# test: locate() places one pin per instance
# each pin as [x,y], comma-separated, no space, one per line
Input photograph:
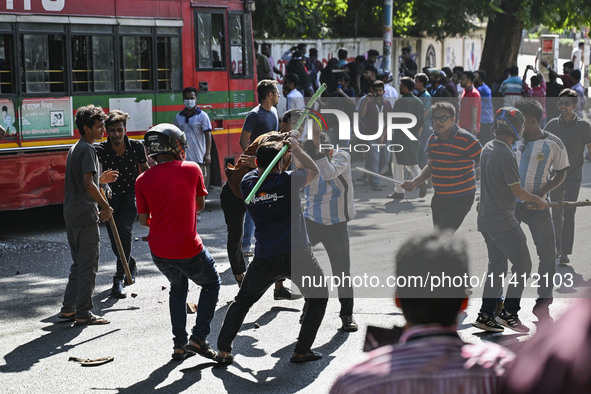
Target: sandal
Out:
[229,359]
[183,355]
[202,349]
[303,358]
[67,316]
[92,321]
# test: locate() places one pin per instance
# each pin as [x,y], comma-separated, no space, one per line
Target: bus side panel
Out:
[32,179]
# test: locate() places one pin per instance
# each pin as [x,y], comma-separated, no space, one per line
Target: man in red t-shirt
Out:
[169,195]
[469,104]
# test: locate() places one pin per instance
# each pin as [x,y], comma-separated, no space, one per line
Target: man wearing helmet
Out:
[500,185]
[169,195]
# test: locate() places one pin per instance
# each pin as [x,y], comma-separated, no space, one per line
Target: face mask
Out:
[190,103]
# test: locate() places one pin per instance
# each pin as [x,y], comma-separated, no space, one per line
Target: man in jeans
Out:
[543,162]
[169,195]
[282,248]
[500,185]
[128,157]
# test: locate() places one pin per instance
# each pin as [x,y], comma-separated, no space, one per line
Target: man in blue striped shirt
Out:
[543,161]
[329,206]
[512,87]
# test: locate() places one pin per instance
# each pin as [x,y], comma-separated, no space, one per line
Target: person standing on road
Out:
[512,87]
[543,161]
[486,112]
[128,157]
[169,195]
[81,216]
[196,125]
[500,185]
[575,133]
[282,248]
[452,154]
[329,206]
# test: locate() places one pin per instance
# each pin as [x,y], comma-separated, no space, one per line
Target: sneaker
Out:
[564,259]
[117,290]
[422,190]
[487,324]
[285,294]
[349,324]
[396,196]
[375,187]
[511,321]
[541,310]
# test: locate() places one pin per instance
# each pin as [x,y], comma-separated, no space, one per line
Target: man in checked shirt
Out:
[128,157]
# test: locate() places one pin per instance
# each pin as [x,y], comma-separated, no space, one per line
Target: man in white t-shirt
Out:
[197,128]
[543,161]
[577,56]
[295,99]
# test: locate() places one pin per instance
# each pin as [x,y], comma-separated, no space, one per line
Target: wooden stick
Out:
[120,251]
[391,180]
[561,204]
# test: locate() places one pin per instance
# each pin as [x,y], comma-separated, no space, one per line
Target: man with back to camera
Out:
[282,248]
[430,357]
[505,240]
[196,125]
[128,157]
[169,195]
[81,216]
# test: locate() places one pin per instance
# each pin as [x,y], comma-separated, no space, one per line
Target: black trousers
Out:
[234,212]
[449,213]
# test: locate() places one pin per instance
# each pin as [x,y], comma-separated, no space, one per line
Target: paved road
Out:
[35,346]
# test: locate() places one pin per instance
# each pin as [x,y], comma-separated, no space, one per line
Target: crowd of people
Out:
[523,155]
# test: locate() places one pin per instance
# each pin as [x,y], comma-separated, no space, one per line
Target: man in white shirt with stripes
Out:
[543,161]
[329,206]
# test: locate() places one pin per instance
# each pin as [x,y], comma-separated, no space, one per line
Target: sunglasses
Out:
[436,119]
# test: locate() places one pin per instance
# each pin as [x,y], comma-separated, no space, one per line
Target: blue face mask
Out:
[190,103]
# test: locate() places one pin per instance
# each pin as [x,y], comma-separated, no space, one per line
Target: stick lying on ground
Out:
[378,175]
[120,251]
[562,204]
[300,121]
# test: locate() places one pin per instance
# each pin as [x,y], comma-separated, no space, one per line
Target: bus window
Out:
[44,61]
[210,40]
[136,55]
[240,45]
[92,64]
[6,64]
[168,50]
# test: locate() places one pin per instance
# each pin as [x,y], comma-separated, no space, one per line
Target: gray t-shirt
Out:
[80,209]
[574,136]
[498,171]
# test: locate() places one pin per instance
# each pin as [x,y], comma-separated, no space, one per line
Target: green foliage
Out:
[438,18]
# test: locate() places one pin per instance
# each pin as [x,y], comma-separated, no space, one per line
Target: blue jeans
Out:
[260,275]
[375,160]
[542,232]
[248,232]
[564,218]
[124,213]
[503,245]
[201,270]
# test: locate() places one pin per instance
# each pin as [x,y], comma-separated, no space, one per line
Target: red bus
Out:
[133,55]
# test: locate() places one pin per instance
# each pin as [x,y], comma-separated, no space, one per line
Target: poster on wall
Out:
[8,120]
[47,118]
[472,51]
[453,52]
